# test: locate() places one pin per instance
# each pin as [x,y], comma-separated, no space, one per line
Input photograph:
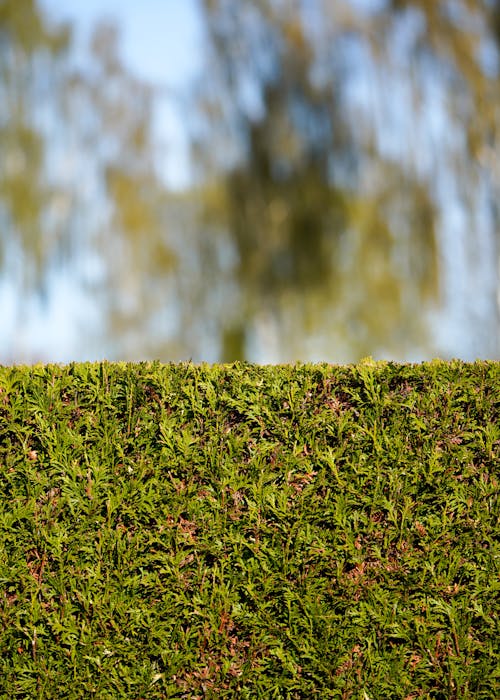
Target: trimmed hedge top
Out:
[242,531]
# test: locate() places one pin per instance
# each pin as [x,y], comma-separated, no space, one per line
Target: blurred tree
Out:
[113,112]
[327,138]
[25,86]
[79,183]
[332,223]
[452,64]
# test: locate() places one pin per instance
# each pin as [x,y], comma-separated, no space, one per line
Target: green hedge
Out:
[239,531]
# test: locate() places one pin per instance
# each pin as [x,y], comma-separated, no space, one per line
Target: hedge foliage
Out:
[241,531]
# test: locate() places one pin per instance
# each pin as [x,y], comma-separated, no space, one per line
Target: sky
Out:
[160,43]
[159,36]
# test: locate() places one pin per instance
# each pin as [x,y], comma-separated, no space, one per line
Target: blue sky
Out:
[160,37]
[160,42]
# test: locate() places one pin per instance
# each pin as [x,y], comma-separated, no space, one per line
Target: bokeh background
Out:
[267,180]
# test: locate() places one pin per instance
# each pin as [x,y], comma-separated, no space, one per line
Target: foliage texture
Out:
[307,531]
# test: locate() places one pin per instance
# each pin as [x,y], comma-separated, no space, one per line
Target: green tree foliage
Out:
[311,194]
